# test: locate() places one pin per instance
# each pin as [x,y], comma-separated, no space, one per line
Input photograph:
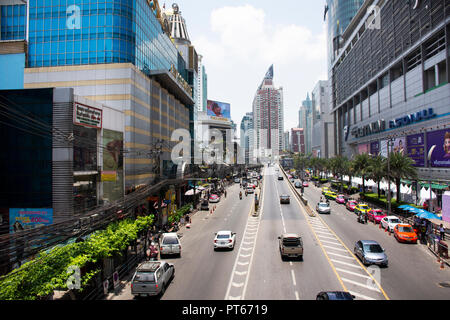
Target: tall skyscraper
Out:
[287,141]
[246,136]
[268,118]
[202,86]
[305,122]
[297,140]
[323,126]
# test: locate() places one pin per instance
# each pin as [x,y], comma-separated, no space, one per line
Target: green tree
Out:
[377,170]
[361,165]
[338,167]
[401,167]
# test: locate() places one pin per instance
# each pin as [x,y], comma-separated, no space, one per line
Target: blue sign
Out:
[25,219]
[412,118]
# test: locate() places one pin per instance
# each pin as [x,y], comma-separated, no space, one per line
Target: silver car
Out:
[170,244]
[370,252]
[323,207]
[151,278]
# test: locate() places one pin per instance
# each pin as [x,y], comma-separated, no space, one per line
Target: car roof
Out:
[338,295]
[404,225]
[224,232]
[150,266]
[392,217]
[290,235]
[369,242]
[170,234]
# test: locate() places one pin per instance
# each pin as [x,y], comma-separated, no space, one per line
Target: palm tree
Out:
[350,171]
[338,166]
[401,167]
[377,170]
[301,161]
[361,165]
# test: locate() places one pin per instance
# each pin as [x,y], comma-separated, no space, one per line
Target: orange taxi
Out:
[405,233]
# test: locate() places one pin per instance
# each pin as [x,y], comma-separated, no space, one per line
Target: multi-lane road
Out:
[254,270]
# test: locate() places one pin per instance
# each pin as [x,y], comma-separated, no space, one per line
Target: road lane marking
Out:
[361,285]
[353,273]
[332,238]
[293,277]
[332,242]
[237,285]
[347,264]
[296,295]
[361,296]
[342,256]
[334,248]
[241,273]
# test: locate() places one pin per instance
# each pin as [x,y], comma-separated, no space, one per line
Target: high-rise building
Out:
[305,122]
[396,95]
[287,143]
[117,53]
[268,118]
[247,137]
[298,140]
[202,86]
[323,131]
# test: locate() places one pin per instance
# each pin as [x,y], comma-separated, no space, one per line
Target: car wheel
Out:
[163,289]
[364,261]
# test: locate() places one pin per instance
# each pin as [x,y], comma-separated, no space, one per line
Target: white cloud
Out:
[245,44]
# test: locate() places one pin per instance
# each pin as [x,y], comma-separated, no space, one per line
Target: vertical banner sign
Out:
[400,145]
[438,148]
[415,146]
[374,148]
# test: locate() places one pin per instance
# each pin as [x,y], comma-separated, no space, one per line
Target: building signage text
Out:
[87,116]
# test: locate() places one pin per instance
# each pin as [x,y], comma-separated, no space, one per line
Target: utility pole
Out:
[390,143]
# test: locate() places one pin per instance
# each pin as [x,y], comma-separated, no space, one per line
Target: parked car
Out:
[376,215]
[370,252]
[335,295]
[405,233]
[224,240]
[250,189]
[305,183]
[351,204]
[152,278]
[280,177]
[389,222]
[214,198]
[323,207]
[325,189]
[169,244]
[237,180]
[291,245]
[330,195]
[361,208]
[284,198]
[340,199]
[298,184]
[204,205]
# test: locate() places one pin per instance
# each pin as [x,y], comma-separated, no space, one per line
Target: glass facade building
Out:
[81,32]
[340,14]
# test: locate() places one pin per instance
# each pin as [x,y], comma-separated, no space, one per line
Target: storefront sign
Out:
[438,148]
[415,146]
[87,116]
[374,127]
[109,176]
[412,118]
[374,148]
[25,219]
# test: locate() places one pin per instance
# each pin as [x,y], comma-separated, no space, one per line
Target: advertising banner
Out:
[438,148]
[399,145]
[415,146]
[384,148]
[112,174]
[218,109]
[25,219]
[87,116]
[375,148]
[363,148]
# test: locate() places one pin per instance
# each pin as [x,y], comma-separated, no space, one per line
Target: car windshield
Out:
[405,229]
[373,248]
[145,277]
[223,236]
[291,242]
[170,240]
[363,206]
[378,213]
[323,205]
[395,220]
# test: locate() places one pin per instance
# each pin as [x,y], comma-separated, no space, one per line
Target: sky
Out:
[240,39]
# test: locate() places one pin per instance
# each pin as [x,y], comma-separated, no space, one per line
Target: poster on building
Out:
[218,109]
[112,173]
[399,145]
[375,148]
[438,148]
[363,148]
[415,147]
[26,219]
[87,116]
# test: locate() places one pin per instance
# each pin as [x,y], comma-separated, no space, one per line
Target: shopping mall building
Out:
[116,54]
[390,82]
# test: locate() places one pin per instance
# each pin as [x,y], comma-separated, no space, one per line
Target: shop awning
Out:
[434,185]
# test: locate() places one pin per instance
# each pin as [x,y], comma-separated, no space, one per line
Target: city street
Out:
[254,270]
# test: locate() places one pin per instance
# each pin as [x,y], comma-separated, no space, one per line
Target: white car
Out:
[250,190]
[170,244]
[224,240]
[390,222]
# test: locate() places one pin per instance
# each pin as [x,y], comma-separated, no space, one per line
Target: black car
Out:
[298,184]
[284,198]
[335,295]
[280,178]
[204,205]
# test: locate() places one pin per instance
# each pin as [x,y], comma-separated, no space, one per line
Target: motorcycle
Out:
[361,219]
[240,196]
[152,252]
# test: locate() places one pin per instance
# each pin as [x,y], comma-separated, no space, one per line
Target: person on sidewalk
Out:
[442,232]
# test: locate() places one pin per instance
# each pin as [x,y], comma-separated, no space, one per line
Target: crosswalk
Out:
[362,282]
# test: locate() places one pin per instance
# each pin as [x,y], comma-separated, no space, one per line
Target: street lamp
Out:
[390,143]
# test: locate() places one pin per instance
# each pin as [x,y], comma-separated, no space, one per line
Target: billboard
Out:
[218,109]
[363,148]
[438,148]
[399,145]
[415,147]
[25,219]
[375,148]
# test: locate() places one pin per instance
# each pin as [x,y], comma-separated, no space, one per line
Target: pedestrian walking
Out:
[442,232]
[225,193]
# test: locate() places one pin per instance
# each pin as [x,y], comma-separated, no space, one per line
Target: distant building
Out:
[287,144]
[305,122]
[247,137]
[322,142]
[298,140]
